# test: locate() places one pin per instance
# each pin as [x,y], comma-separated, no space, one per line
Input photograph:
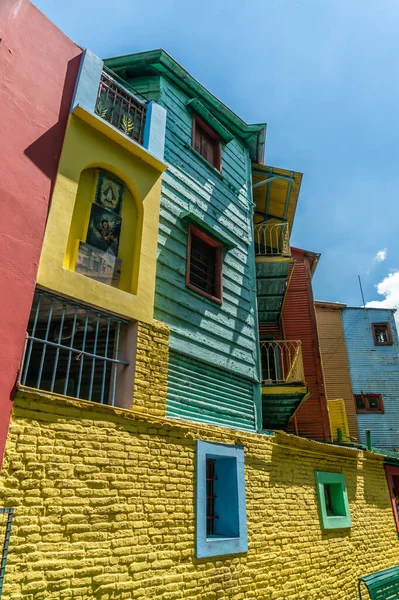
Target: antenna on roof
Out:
[364,303]
[361,291]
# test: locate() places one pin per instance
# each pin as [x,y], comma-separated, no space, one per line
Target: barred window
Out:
[204,265]
[72,350]
[207,143]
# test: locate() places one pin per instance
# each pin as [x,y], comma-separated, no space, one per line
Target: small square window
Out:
[369,403]
[204,265]
[207,143]
[382,334]
[221,508]
[333,500]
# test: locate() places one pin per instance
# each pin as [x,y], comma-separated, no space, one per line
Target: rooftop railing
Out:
[272,239]
[122,109]
[281,362]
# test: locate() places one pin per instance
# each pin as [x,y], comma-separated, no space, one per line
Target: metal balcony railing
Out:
[120,108]
[281,362]
[272,239]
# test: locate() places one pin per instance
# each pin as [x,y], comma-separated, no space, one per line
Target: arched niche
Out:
[105,233]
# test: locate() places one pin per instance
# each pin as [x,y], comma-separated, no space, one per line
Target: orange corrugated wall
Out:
[335,361]
[299,323]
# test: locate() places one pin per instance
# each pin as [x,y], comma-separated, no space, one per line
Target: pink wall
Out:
[38,69]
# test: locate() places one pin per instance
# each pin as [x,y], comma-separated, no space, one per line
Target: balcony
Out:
[272,239]
[273,261]
[283,381]
[120,108]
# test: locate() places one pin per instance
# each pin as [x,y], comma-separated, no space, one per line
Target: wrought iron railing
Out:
[272,239]
[120,108]
[73,350]
[281,362]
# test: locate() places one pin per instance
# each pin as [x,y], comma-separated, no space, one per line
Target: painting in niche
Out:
[104,230]
[99,265]
[109,193]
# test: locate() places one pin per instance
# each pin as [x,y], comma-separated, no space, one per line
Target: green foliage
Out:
[101,109]
[127,124]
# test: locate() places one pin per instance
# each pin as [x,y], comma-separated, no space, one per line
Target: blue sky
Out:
[323,75]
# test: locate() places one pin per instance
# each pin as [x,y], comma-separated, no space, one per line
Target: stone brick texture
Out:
[151,369]
[105,508]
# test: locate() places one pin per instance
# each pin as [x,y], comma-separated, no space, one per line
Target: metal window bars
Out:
[210,496]
[281,362]
[120,108]
[72,350]
[272,239]
[5,523]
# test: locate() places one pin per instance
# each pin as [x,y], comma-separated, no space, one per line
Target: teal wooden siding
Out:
[199,392]
[209,334]
[221,335]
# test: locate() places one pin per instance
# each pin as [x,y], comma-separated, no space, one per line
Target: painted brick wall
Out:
[104,508]
[151,369]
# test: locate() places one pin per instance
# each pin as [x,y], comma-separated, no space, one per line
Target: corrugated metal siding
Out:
[221,335]
[338,419]
[199,392]
[299,323]
[374,369]
[334,357]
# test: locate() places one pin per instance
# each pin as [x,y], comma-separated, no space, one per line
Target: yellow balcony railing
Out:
[272,239]
[281,362]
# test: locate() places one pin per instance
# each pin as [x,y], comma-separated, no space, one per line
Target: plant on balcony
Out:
[101,109]
[127,124]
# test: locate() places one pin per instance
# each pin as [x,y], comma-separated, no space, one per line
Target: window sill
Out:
[384,344]
[214,299]
[370,412]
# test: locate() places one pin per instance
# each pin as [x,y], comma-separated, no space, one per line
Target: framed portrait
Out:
[104,229]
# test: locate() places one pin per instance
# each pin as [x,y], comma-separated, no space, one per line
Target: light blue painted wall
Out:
[374,369]
[88,80]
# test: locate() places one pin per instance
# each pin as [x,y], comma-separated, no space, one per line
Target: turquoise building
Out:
[205,282]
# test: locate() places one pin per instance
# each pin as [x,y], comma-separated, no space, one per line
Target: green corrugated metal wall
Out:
[199,392]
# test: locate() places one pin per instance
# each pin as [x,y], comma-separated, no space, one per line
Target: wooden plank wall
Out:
[221,335]
[299,323]
[335,361]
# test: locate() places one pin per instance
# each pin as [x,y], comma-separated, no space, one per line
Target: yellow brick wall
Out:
[104,509]
[151,369]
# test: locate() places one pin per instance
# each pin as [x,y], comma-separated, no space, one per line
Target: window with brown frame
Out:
[204,265]
[382,334]
[369,403]
[207,143]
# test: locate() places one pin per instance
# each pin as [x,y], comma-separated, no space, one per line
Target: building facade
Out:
[140,459]
[337,377]
[35,95]
[372,344]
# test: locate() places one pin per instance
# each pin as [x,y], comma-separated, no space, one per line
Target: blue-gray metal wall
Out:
[374,369]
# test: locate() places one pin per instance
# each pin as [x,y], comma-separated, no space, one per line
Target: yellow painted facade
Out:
[104,508]
[89,146]
[334,359]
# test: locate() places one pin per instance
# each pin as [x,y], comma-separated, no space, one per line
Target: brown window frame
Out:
[218,297]
[389,333]
[200,124]
[366,403]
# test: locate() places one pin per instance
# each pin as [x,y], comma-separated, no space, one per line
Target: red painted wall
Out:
[299,323]
[38,69]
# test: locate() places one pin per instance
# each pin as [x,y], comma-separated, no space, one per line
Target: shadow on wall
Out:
[45,152]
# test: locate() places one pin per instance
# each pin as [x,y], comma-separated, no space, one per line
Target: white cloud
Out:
[378,258]
[389,288]
[381,256]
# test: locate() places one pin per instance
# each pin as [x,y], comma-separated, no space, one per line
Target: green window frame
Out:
[333,500]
